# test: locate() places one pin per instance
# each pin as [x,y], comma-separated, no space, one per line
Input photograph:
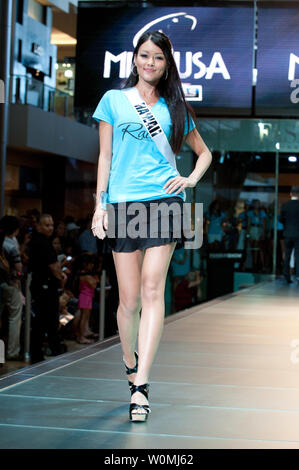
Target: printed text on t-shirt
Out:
[134,129]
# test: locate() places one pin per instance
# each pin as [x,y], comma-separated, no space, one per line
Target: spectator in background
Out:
[289,217]
[47,278]
[214,218]
[33,216]
[257,232]
[57,245]
[87,241]
[270,240]
[24,238]
[4,274]
[240,222]
[60,232]
[180,266]
[63,260]
[87,281]
[187,291]
[11,293]
[72,242]
[230,236]
[4,264]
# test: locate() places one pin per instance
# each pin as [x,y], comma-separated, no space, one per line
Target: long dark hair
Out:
[169,87]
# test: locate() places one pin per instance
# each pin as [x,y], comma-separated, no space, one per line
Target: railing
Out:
[29,90]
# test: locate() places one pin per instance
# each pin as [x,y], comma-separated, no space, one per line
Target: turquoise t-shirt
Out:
[138,170]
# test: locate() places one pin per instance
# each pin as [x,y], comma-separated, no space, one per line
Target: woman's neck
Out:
[148,91]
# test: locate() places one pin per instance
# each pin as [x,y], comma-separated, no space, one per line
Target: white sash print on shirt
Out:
[151,123]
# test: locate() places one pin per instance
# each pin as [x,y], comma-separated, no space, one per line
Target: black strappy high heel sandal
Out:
[144,389]
[133,370]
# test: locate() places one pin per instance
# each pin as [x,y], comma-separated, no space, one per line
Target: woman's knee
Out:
[130,304]
[151,288]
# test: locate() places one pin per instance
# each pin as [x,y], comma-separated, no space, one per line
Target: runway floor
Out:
[226,376]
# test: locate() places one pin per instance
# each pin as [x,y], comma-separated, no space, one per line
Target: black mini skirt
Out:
[137,225]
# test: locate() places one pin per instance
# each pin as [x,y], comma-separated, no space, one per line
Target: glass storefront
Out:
[65,77]
[255,163]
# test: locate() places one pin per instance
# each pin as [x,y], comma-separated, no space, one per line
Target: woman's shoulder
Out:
[112,97]
[113,93]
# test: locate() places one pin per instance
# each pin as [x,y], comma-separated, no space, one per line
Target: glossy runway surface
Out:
[226,376]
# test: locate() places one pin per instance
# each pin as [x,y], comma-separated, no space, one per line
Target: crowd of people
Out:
[248,227]
[65,265]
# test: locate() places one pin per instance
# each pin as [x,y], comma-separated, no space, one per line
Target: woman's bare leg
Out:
[84,319]
[128,271]
[153,278]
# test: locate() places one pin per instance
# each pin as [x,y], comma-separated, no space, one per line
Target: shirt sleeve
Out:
[103,110]
[191,124]
[12,254]
[15,256]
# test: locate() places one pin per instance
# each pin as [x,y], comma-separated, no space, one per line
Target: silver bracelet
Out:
[102,201]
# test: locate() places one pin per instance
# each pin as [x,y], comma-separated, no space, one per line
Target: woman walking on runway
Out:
[142,128]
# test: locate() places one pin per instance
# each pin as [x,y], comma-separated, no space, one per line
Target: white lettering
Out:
[115,460]
[217,65]
[199,64]
[292,65]
[264,130]
[197,233]
[129,63]
[188,61]
[122,58]
[294,95]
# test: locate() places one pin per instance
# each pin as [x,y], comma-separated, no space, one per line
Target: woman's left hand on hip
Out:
[178,184]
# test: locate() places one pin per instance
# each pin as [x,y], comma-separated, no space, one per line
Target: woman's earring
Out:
[166,75]
[132,70]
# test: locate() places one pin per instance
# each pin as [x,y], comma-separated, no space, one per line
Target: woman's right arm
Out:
[100,218]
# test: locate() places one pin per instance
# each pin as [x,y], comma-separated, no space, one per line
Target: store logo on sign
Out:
[175,19]
[192,58]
